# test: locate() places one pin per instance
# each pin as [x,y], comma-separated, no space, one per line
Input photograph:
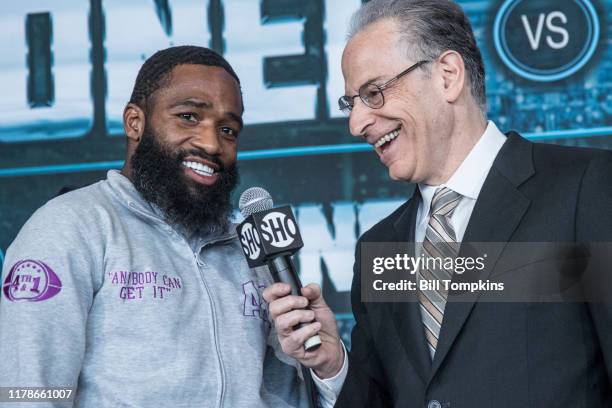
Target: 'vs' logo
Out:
[546,40]
[535,38]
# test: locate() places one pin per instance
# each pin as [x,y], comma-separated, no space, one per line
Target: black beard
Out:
[158,174]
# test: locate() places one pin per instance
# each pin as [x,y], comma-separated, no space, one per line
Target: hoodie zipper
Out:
[213,309]
[198,263]
[215,330]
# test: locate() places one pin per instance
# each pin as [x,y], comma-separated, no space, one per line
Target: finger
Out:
[286,304]
[296,340]
[285,323]
[313,293]
[275,291]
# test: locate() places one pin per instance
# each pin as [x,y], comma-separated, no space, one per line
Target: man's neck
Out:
[466,132]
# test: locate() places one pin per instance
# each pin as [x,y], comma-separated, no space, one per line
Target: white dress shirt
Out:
[330,388]
[467,180]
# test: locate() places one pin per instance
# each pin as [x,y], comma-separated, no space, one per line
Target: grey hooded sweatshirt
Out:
[102,295]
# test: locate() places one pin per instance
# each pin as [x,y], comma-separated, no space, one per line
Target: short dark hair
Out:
[428,28]
[157,67]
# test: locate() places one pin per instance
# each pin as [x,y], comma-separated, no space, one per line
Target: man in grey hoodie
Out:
[134,290]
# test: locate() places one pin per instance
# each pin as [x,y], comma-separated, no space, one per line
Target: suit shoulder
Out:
[551,155]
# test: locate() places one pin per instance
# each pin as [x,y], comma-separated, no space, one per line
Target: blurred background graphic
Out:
[67,68]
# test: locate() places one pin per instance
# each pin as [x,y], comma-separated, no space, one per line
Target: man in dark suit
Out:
[414,82]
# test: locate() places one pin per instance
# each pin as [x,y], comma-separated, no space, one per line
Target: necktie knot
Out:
[444,202]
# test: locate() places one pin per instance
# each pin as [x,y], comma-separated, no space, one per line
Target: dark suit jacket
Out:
[498,355]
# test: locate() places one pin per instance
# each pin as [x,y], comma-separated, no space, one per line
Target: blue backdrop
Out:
[67,69]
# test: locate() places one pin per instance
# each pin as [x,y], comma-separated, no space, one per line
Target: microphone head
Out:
[253,200]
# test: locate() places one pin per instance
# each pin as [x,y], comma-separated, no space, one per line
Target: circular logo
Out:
[31,280]
[251,243]
[278,229]
[547,40]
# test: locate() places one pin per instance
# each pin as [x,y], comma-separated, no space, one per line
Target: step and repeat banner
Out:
[67,69]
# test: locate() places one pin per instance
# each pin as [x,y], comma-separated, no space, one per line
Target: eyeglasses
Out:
[371,94]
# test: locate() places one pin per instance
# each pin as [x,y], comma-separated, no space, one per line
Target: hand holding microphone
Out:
[305,325]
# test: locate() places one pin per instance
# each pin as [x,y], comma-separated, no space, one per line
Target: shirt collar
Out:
[470,176]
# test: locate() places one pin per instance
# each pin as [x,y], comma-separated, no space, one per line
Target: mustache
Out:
[182,154]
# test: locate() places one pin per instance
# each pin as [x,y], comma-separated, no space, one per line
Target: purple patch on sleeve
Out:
[32,281]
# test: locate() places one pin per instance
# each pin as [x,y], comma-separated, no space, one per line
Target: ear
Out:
[452,70]
[133,122]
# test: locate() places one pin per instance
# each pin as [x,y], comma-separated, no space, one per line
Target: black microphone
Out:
[270,236]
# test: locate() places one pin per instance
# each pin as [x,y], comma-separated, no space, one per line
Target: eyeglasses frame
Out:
[343,100]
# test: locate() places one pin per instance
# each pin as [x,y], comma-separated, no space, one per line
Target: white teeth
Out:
[199,168]
[202,173]
[386,138]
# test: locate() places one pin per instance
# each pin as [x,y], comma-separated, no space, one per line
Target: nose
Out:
[360,119]
[208,140]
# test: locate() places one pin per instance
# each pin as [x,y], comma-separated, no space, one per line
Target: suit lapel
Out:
[405,315]
[498,211]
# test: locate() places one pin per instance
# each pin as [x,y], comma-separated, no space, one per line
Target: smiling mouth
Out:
[199,168]
[383,142]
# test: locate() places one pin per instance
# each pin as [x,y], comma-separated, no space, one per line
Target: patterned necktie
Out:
[440,242]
